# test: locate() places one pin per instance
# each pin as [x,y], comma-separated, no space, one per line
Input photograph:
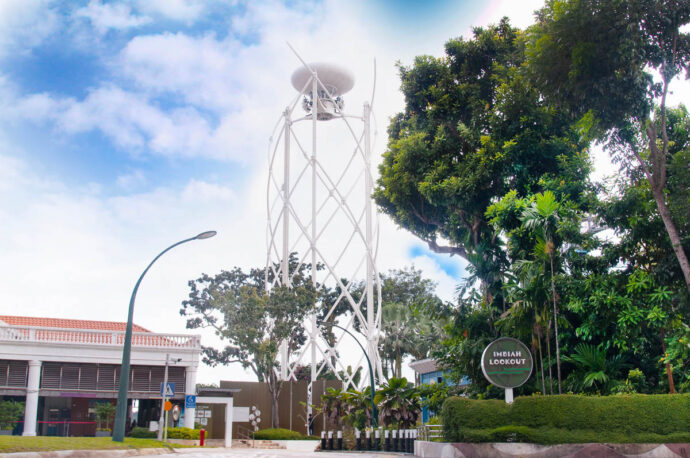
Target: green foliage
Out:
[183,433]
[434,395]
[333,406]
[411,324]
[398,402]
[552,436]
[474,129]
[10,413]
[105,414]
[594,372]
[141,432]
[278,434]
[615,417]
[254,323]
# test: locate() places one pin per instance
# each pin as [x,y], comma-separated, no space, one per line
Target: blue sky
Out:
[126,126]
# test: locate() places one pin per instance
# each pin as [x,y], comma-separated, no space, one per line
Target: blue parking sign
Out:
[190,401]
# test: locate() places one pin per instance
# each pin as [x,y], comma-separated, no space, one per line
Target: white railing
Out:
[94,337]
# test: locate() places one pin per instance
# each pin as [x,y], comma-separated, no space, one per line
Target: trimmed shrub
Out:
[278,434]
[618,418]
[183,433]
[142,433]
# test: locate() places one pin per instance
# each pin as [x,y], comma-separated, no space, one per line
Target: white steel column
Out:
[31,406]
[190,388]
[314,116]
[368,188]
[285,262]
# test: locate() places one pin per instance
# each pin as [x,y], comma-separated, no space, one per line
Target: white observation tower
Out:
[319,206]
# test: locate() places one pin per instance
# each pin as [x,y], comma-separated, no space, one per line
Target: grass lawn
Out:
[9,444]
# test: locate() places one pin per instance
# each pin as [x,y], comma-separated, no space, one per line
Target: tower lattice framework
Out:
[319,206]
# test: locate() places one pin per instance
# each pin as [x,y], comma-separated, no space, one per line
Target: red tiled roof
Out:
[68,323]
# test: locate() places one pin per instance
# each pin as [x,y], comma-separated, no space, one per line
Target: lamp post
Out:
[374,413]
[121,412]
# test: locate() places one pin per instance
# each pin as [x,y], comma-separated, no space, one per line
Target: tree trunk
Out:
[656,176]
[274,386]
[555,326]
[541,359]
[672,233]
[669,371]
[548,350]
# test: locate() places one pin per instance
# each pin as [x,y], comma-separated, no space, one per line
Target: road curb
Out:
[90,453]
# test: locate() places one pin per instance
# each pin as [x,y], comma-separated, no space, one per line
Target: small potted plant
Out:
[10,413]
[105,411]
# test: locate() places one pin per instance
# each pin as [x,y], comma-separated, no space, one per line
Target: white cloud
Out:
[186,11]
[201,70]
[24,24]
[108,16]
[131,181]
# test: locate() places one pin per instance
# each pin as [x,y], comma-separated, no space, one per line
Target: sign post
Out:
[507,363]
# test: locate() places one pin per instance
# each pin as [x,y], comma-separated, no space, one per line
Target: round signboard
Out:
[507,363]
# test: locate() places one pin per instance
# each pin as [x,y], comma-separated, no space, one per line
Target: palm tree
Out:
[399,403]
[543,216]
[529,295]
[398,334]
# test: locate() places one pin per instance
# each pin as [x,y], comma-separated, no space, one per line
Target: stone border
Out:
[424,449]
[298,445]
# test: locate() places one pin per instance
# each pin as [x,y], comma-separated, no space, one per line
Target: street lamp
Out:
[121,412]
[374,413]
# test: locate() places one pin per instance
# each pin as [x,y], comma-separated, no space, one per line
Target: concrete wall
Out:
[291,414]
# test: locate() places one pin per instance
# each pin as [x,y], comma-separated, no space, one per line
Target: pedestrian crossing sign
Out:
[169,389]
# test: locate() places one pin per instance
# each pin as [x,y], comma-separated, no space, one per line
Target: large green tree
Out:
[474,128]
[598,59]
[410,325]
[253,322]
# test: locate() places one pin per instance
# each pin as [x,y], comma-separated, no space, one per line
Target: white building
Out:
[61,368]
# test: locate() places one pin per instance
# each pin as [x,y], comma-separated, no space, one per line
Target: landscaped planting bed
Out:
[569,419]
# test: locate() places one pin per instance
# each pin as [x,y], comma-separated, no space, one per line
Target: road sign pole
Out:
[509,395]
[165,391]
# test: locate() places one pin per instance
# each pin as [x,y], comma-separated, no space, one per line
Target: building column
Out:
[190,388]
[31,406]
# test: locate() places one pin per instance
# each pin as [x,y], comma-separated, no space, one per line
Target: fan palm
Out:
[593,370]
[398,402]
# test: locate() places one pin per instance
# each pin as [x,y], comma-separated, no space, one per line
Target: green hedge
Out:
[183,433]
[568,418]
[277,434]
[142,433]
[173,433]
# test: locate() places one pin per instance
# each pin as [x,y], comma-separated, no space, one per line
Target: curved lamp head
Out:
[206,235]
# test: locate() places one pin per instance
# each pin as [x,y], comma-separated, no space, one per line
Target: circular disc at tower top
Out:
[338,80]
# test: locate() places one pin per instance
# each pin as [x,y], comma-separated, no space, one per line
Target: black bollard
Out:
[340,440]
[403,440]
[394,440]
[358,436]
[368,434]
[330,440]
[323,440]
[377,439]
[414,439]
[387,440]
[409,441]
